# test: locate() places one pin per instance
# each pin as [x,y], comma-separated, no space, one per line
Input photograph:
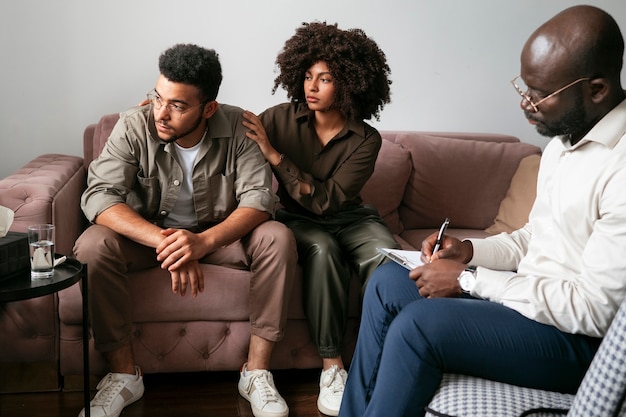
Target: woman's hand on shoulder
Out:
[257,133]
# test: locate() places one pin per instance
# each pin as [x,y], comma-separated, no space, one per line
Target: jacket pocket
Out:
[223,195]
[145,197]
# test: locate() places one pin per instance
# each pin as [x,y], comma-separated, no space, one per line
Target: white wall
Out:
[65,63]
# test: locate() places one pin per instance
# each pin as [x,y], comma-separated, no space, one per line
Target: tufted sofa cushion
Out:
[210,332]
[29,190]
[45,190]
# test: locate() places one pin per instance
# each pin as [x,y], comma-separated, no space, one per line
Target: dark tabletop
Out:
[22,287]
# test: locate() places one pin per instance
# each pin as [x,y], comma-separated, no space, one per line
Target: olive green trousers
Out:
[330,249]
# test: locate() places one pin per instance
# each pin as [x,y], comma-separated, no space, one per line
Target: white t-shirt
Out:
[184,212]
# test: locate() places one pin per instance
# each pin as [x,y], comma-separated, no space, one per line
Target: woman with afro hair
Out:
[322,153]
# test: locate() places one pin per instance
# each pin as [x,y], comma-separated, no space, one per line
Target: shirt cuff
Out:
[490,284]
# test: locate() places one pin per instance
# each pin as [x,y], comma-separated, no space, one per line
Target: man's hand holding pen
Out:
[439,245]
[440,235]
[439,279]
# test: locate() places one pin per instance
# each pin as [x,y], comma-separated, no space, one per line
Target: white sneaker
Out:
[332,384]
[115,391]
[258,388]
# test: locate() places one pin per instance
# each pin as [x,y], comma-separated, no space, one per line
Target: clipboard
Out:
[410,259]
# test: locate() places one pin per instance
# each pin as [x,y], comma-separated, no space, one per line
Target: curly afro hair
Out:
[193,65]
[358,66]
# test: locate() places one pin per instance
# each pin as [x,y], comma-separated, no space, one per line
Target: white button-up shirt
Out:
[570,257]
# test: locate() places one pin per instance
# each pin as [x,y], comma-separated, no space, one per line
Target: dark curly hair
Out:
[358,66]
[193,65]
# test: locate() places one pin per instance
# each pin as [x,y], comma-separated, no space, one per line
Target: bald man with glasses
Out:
[530,307]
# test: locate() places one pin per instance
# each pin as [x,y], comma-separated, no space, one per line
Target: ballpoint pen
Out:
[442,231]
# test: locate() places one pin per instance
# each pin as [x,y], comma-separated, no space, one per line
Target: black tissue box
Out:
[14,256]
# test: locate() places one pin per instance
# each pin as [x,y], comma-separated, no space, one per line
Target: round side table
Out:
[22,287]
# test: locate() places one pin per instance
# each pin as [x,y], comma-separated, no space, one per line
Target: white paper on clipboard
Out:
[410,259]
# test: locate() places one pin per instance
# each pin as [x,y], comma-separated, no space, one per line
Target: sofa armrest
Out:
[48,190]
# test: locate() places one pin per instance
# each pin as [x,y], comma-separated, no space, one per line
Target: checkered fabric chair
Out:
[601,393]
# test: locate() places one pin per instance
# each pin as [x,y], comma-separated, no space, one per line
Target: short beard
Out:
[572,123]
[187,132]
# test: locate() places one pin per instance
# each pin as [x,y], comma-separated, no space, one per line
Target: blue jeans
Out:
[407,342]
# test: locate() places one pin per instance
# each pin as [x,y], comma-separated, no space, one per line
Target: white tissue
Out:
[41,260]
[60,260]
[6,220]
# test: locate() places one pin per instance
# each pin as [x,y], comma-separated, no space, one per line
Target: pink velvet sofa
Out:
[485,183]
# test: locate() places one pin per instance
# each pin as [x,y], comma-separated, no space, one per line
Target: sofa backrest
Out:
[423,177]
[420,177]
[96,135]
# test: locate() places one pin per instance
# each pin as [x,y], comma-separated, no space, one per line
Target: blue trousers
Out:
[407,342]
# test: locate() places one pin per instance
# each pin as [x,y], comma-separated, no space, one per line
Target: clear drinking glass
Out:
[41,244]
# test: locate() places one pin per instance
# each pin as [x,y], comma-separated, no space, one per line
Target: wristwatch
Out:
[467,279]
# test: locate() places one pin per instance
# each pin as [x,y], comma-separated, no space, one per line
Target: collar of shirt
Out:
[608,131]
[303,113]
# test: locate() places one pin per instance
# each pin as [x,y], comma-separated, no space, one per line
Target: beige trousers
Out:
[269,251]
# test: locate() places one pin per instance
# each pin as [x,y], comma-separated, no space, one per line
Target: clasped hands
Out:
[179,253]
[438,277]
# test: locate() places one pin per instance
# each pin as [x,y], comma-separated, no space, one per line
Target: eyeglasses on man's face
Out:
[176,110]
[523,89]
